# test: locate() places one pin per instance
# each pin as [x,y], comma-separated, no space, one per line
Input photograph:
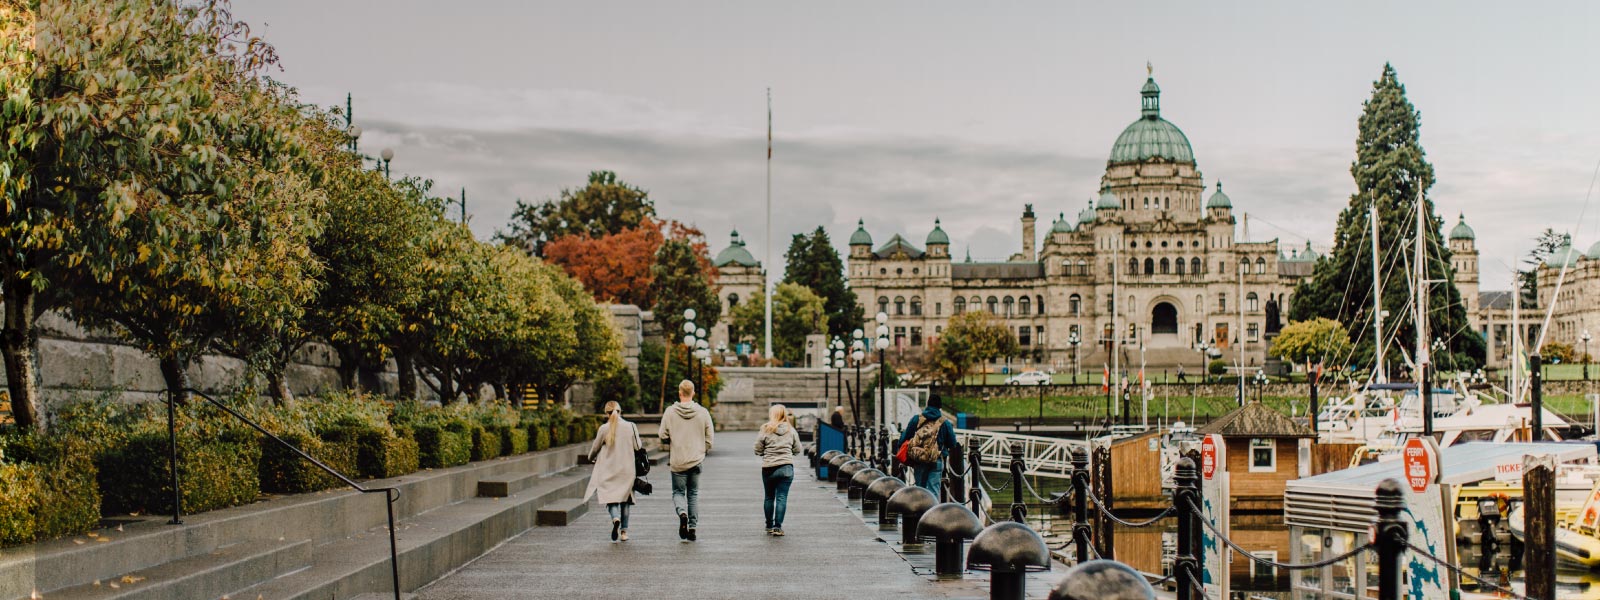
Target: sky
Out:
[898,113]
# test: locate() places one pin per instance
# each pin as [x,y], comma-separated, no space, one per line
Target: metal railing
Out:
[1042,456]
[390,494]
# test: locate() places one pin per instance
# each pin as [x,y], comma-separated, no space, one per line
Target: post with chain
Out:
[958,479]
[1392,535]
[1539,523]
[974,475]
[1019,510]
[1105,533]
[1080,503]
[1187,494]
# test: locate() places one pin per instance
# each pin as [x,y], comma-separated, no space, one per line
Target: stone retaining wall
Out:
[748,392]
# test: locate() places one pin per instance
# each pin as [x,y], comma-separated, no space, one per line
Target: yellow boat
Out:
[1577,536]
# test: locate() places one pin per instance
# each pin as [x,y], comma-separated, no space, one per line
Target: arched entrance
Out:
[1164,318]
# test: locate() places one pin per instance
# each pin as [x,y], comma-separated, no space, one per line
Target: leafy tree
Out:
[1319,340]
[971,337]
[615,268]
[1392,173]
[597,344]
[813,262]
[1557,352]
[659,375]
[121,119]
[681,278]
[796,313]
[1544,246]
[605,206]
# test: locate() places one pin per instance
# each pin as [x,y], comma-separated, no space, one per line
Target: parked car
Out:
[1029,378]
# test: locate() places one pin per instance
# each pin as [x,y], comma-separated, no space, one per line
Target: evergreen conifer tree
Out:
[1391,171]
[813,262]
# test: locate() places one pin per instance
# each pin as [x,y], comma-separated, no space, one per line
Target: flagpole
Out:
[766,276]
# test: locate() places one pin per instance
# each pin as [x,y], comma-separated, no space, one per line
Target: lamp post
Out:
[857,352]
[838,373]
[1261,382]
[882,344]
[354,131]
[702,351]
[1074,340]
[1586,357]
[387,155]
[1204,347]
[691,341]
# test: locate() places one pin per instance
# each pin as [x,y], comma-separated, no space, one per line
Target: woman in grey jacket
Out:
[777,445]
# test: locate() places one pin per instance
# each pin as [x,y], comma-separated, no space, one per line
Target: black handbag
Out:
[642,487]
[641,462]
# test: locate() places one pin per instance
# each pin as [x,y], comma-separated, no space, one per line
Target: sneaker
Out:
[683,526]
[777,532]
[616,525]
[691,535]
[769,531]
[624,535]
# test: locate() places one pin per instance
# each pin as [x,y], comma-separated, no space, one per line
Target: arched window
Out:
[1075,305]
[1133,266]
[1252,302]
[899,305]
[1024,306]
[1009,305]
[916,306]
[1149,266]
[975,303]
[1261,266]
[1199,304]
[1039,301]
[883,304]
[994,305]
[1180,265]
[1244,266]
[1194,265]
[960,305]
[1083,267]
[1166,267]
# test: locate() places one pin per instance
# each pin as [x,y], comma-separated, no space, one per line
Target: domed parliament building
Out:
[1155,247]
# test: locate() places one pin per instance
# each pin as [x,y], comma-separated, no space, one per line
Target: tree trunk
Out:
[447,391]
[407,375]
[500,391]
[174,370]
[348,369]
[20,344]
[278,387]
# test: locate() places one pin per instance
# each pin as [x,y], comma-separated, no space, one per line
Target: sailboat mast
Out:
[1377,297]
[1116,332]
[1420,277]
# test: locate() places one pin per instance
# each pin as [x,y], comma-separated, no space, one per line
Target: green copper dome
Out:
[861,237]
[1062,225]
[1219,199]
[1086,215]
[1151,136]
[937,236]
[1108,199]
[735,254]
[1565,256]
[1594,251]
[1309,255]
[1461,231]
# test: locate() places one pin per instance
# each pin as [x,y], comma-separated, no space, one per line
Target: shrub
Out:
[559,435]
[485,443]
[381,455]
[540,437]
[19,501]
[283,471]
[216,471]
[1217,367]
[438,446]
[67,495]
[513,441]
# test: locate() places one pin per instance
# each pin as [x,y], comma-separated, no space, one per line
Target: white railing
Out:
[1041,456]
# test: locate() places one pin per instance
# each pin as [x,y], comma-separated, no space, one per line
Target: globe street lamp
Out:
[1261,382]
[1074,340]
[882,344]
[1586,357]
[355,136]
[387,155]
[1203,347]
[691,344]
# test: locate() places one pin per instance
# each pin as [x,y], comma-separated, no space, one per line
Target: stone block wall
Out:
[749,391]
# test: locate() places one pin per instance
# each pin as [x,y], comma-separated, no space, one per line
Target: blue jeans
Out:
[686,494]
[619,512]
[929,476]
[776,480]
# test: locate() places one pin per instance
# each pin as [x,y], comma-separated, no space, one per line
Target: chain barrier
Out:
[1100,506]
[1035,493]
[1275,564]
[1463,573]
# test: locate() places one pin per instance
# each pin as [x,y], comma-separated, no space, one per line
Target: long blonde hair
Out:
[777,415]
[613,420]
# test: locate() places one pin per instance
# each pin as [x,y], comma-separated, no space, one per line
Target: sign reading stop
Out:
[1420,465]
[1208,456]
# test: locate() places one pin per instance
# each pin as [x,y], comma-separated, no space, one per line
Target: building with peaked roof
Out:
[739,278]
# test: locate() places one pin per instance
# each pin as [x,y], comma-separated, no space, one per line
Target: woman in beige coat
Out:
[612,478]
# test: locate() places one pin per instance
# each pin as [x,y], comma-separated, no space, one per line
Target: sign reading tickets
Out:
[1425,515]
[1214,503]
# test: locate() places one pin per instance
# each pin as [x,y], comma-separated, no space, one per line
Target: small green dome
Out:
[937,236]
[1219,199]
[1309,255]
[1108,199]
[1565,256]
[1062,225]
[1594,251]
[1086,215]
[1461,231]
[1151,136]
[735,254]
[861,237]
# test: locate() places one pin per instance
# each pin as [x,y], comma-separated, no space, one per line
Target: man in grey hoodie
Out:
[686,431]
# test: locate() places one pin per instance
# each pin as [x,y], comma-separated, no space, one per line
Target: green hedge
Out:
[51,480]
[540,437]
[513,441]
[19,503]
[216,471]
[382,454]
[559,435]
[439,446]
[485,443]
[282,471]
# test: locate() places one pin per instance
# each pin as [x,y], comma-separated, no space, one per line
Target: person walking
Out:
[686,431]
[614,470]
[776,445]
[931,440]
[837,420]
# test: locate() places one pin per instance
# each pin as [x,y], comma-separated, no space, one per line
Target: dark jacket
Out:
[837,421]
[947,432]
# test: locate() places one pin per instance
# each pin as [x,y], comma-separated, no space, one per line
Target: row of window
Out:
[1009,306]
[1168,267]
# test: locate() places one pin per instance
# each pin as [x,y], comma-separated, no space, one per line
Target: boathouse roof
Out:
[1254,419]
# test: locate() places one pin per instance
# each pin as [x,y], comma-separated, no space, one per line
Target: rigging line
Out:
[1566,265]
[1391,257]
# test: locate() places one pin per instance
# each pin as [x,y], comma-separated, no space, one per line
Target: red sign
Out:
[1419,466]
[1208,457]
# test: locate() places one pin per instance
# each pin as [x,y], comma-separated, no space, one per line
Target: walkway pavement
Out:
[829,551]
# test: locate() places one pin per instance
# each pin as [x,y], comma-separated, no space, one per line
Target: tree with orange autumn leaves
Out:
[616,267]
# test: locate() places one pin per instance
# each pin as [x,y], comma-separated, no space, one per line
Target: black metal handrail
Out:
[390,494]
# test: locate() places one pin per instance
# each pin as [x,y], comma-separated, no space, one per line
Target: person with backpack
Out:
[928,440]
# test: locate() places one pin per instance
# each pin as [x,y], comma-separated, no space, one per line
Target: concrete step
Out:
[430,545]
[562,512]
[384,596]
[211,575]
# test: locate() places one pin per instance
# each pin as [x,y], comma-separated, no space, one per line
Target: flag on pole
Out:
[1105,378]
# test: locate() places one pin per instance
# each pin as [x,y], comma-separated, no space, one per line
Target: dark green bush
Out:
[285,472]
[540,437]
[216,471]
[52,479]
[19,502]
[559,435]
[513,441]
[382,454]
[438,446]
[485,443]
[1217,367]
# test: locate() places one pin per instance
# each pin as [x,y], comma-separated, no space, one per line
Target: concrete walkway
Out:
[828,552]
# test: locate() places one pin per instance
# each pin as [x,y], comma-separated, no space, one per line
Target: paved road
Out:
[828,552]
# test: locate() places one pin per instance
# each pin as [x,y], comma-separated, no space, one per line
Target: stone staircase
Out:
[321,546]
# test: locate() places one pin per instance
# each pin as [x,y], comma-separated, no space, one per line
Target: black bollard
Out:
[859,482]
[1391,538]
[846,471]
[880,491]
[910,502]
[1536,394]
[950,525]
[1080,503]
[1539,526]
[1009,549]
[1102,580]
[1019,510]
[833,465]
[1186,565]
